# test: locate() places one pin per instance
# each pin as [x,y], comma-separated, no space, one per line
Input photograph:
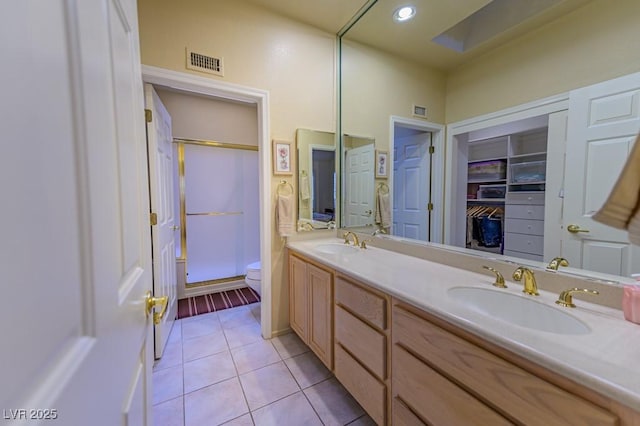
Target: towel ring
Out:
[383,187]
[284,183]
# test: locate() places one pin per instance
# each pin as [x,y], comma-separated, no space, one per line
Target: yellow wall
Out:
[377,85]
[597,42]
[294,62]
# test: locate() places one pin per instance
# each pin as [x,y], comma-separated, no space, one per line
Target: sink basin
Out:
[335,248]
[520,310]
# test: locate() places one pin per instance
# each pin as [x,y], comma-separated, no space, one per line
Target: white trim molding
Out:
[185,82]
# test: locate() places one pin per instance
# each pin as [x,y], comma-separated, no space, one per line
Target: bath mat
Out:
[216,302]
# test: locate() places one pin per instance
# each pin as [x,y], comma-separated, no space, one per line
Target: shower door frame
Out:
[205,86]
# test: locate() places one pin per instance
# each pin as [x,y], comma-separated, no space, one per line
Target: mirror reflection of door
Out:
[411,183]
[359,194]
[323,182]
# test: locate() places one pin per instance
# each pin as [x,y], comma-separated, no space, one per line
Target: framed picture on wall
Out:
[282,158]
[382,163]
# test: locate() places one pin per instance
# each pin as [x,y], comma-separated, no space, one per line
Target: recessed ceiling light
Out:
[404,13]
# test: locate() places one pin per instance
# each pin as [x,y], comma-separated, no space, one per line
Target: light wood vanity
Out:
[407,366]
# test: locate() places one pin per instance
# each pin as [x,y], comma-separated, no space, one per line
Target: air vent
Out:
[419,111]
[204,63]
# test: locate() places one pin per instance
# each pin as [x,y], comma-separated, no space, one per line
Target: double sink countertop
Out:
[606,359]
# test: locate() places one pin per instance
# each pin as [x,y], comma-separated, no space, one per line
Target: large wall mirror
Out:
[420,96]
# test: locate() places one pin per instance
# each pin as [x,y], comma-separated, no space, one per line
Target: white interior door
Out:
[159,146]
[359,196]
[603,122]
[76,260]
[411,186]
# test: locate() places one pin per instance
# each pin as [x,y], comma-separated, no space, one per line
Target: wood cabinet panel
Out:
[363,341]
[402,415]
[369,306]
[520,395]
[298,297]
[448,404]
[363,386]
[320,321]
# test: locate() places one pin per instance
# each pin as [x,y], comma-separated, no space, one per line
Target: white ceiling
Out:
[412,39]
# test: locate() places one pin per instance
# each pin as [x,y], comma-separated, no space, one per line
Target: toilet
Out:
[253,277]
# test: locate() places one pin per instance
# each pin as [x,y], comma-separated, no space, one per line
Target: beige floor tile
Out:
[307,369]
[171,356]
[169,413]
[292,410]
[363,421]
[201,325]
[208,370]
[202,346]
[167,384]
[268,384]
[199,317]
[215,404]
[333,403]
[236,317]
[243,335]
[254,355]
[289,345]
[256,310]
[245,420]
[176,332]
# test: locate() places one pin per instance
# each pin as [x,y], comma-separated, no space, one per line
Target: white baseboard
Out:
[213,288]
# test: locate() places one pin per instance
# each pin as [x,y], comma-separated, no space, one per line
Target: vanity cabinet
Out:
[441,378]
[311,305]
[362,352]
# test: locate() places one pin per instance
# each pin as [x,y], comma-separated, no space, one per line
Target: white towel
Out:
[383,213]
[622,208]
[305,193]
[284,215]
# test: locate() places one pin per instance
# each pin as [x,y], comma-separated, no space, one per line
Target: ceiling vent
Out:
[204,63]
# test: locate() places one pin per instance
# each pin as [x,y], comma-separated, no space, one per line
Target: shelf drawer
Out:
[525,198]
[364,387]
[368,345]
[524,212]
[520,395]
[368,306]
[435,398]
[524,226]
[533,244]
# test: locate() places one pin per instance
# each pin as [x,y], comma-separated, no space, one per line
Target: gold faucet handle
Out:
[499,278]
[557,262]
[566,299]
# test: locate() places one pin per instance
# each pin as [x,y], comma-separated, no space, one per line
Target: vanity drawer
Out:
[363,341]
[524,226]
[369,306]
[525,198]
[533,244]
[528,256]
[519,395]
[365,388]
[403,416]
[524,212]
[435,398]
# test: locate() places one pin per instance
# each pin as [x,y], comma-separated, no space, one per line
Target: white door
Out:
[604,120]
[411,186]
[76,257]
[359,196]
[159,146]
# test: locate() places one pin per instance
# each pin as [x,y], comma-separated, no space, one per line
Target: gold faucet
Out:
[530,286]
[499,278]
[355,238]
[565,298]
[556,262]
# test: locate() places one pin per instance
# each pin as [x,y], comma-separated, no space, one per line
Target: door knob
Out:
[175,228]
[574,229]
[368,212]
[152,302]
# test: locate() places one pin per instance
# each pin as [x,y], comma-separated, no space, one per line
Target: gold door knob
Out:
[175,228]
[574,229]
[152,302]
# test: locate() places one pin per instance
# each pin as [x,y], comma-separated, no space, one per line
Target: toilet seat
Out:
[252,279]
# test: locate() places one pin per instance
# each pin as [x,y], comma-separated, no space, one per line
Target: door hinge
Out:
[154,219]
[148,115]
[432,149]
[430,206]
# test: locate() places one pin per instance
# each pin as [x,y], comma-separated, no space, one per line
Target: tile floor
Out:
[217,369]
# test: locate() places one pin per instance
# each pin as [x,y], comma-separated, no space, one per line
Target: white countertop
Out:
[606,360]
